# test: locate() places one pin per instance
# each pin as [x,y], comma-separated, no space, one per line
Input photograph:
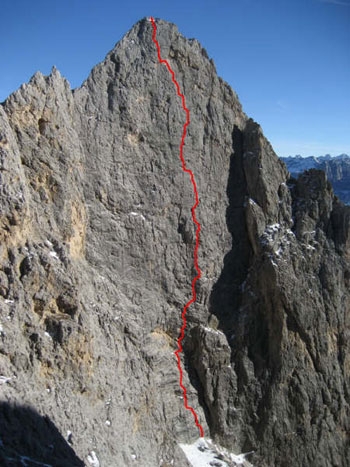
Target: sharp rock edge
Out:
[96,244]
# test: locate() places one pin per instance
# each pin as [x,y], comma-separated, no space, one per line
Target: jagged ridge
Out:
[336,168]
[96,266]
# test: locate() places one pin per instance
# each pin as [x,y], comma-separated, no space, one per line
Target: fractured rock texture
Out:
[96,262]
[336,168]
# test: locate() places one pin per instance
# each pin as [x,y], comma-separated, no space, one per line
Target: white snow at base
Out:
[198,454]
[204,453]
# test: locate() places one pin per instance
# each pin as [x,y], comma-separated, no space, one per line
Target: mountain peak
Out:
[96,265]
[337,169]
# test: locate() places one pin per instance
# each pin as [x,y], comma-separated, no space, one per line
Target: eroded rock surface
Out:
[336,168]
[96,262]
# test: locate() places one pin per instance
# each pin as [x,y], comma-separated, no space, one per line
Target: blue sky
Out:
[288,60]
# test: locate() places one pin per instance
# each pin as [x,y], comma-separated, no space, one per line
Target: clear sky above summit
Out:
[288,60]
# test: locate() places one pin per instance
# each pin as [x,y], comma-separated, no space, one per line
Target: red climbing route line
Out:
[198,228]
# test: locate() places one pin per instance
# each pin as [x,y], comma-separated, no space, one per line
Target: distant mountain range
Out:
[337,170]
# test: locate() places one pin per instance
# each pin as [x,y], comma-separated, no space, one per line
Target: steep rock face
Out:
[285,312]
[96,264]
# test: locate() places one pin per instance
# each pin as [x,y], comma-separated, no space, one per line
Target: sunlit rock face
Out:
[96,263]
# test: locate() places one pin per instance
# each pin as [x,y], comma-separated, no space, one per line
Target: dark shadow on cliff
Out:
[225,297]
[27,438]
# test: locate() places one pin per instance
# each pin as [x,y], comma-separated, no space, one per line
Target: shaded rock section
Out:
[287,397]
[96,262]
[29,439]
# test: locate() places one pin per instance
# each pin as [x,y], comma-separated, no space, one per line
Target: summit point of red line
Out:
[195,221]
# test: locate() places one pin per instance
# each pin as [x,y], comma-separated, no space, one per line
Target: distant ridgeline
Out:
[337,170]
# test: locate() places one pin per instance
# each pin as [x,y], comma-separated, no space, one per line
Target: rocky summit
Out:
[96,263]
[336,168]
